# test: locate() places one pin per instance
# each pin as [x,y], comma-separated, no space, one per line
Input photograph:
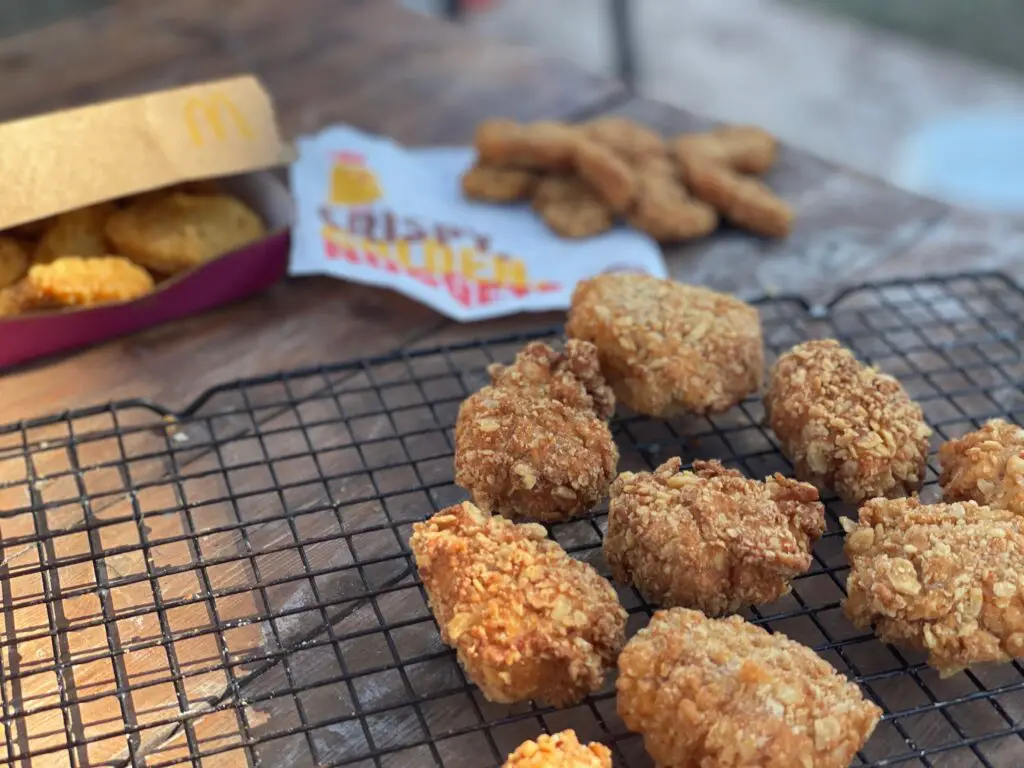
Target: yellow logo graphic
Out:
[352,183]
[217,112]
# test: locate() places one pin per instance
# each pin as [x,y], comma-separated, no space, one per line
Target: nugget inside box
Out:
[134,212]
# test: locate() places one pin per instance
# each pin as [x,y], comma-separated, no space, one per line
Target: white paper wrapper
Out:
[373,212]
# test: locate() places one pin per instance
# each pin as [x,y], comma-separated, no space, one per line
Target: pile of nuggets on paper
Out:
[119,251]
[702,685]
[581,179]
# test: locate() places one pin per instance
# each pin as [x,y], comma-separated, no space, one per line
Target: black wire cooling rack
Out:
[231,585]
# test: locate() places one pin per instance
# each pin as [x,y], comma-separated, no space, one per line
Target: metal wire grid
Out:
[231,585]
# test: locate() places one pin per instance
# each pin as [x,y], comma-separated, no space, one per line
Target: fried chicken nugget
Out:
[664,210]
[526,620]
[610,176]
[947,579]
[725,693]
[666,347]
[627,138]
[492,184]
[846,426]
[12,300]
[743,148]
[746,202]
[562,750]
[571,208]
[986,466]
[536,444]
[175,232]
[13,261]
[541,146]
[711,538]
[75,233]
[73,281]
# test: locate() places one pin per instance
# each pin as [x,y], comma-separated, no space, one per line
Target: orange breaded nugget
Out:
[669,348]
[986,466]
[536,444]
[723,693]
[571,208]
[746,202]
[627,138]
[846,426]
[73,281]
[562,750]
[175,232]
[526,620]
[947,579]
[664,210]
[742,148]
[498,185]
[711,538]
[607,174]
[13,261]
[542,146]
[75,233]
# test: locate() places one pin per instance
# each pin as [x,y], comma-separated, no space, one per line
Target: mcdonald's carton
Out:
[215,140]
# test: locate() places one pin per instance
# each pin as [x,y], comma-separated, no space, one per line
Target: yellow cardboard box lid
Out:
[64,160]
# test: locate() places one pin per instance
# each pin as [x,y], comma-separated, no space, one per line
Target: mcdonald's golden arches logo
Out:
[215,115]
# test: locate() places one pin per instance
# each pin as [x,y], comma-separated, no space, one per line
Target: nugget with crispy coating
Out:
[743,148]
[627,138]
[75,233]
[571,208]
[561,750]
[664,210]
[609,175]
[666,347]
[725,693]
[947,579]
[175,232]
[493,184]
[746,202]
[846,426]
[12,300]
[13,261]
[73,281]
[536,444]
[526,620]
[541,146]
[986,466]
[711,538]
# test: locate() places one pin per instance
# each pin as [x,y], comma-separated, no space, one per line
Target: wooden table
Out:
[381,68]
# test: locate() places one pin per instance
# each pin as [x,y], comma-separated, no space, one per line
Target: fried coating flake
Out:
[561,750]
[666,347]
[175,232]
[710,539]
[73,281]
[535,443]
[492,184]
[844,425]
[571,208]
[742,148]
[541,146]
[947,579]
[607,174]
[725,693]
[986,466]
[627,138]
[13,261]
[746,202]
[664,210]
[526,620]
[75,233]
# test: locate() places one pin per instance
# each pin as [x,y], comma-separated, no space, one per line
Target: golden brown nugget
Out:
[561,750]
[541,146]
[947,579]
[536,444]
[723,693]
[526,620]
[73,281]
[746,202]
[607,174]
[12,300]
[665,211]
[498,185]
[711,538]
[986,466]
[14,261]
[571,208]
[627,138]
[175,232]
[742,148]
[669,348]
[75,233]
[845,426]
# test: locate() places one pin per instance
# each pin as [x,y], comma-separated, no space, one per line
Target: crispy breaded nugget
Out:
[498,185]
[610,176]
[75,233]
[73,281]
[12,300]
[746,202]
[571,208]
[627,138]
[562,750]
[711,538]
[947,579]
[723,693]
[13,261]
[846,426]
[986,466]
[666,347]
[536,443]
[526,619]
[743,148]
[542,146]
[663,208]
[175,232]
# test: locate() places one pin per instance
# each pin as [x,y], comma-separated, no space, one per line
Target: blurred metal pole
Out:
[625,51]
